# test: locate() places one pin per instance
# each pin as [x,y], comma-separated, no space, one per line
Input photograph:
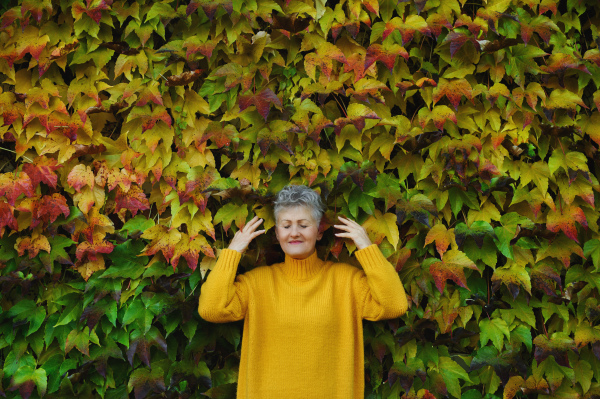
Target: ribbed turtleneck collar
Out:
[302,269]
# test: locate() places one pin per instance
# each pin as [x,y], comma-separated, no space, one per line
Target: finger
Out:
[348,221]
[343,227]
[252,225]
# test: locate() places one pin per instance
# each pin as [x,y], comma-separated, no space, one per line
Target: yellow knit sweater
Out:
[303,335]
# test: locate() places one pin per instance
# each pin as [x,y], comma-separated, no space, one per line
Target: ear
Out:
[318,237]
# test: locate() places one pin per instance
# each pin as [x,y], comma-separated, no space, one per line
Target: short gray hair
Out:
[297,195]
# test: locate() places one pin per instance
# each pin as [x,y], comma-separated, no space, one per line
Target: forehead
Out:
[295,213]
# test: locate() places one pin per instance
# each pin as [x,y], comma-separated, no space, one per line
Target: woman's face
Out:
[297,232]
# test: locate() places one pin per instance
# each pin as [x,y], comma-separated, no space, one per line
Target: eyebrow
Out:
[299,220]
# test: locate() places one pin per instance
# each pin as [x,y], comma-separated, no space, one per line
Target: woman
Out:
[303,334]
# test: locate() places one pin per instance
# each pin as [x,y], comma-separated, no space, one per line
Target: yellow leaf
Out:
[88,268]
[266,214]
[442,237]
[381,225]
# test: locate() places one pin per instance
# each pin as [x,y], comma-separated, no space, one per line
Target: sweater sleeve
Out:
[221,298]
[379,287]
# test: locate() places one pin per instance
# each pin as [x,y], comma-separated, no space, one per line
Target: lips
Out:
[295,242]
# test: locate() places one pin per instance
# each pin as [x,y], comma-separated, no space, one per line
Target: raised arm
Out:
[224,298]
[379,287]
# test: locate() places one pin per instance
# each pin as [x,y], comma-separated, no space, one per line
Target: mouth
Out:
[295,242]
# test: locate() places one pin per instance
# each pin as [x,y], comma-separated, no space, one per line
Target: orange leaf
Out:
[80,176]
[48,208]
[163,240]
[42,170]
[12,186]
[451,267]
[90,251]
[184,78]
[133,200]
[453,90]
[190,249]
[565,221]
[86,269]
[376,52]
[442,237]
[261,100]
[34,244]
[7,217]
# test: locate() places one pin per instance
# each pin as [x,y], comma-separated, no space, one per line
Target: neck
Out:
[302,269]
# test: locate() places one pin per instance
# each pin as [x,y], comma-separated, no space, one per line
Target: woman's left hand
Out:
[354,231]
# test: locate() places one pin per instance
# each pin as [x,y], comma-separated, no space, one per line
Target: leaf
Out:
[563,98]
[133,200]
[12,187]
[163,240]
[419,207]
[81,176]
[442,237]
[406,373]
[190,249]
[513,386]
[458,39]
[183,78]
[7,217]
[230,213]
[261,100]
[47,209]
[542,278]
[380,226]
[454,90]
[451,372]
[26,377]
[451,267]
[565,220]
[143,381]
[86,269]
[357,114]
[278,134]
[556,346]
[80,340]
[33,244]
[406,28]
[502,362]
[42,169]
[357,174]
[477,231]
[387,55]
[495,330]
[438,115]
[513,277]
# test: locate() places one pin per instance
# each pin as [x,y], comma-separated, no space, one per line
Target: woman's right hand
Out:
[243,237]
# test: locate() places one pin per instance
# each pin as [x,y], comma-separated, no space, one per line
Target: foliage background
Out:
[137,136]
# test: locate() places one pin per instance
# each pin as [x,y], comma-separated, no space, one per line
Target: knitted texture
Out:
[303,334]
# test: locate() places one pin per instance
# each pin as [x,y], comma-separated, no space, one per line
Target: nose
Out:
[295,231]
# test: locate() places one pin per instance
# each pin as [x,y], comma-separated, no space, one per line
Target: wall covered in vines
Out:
[137,136]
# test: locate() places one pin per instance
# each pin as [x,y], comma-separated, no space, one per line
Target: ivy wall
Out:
[138,136]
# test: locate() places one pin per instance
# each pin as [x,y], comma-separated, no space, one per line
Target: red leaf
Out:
[94,13]
[565,221]
[9,17]
[218,134]
[560,63]
[7,218]
[198,181]
[48,208]
[209,7]
[12,186]
[80,176]
[190,249]
[163,240]
[35,7]
[134,200]
[33,245]
[458,39]
[42,170]
[90,251]
[9,108]
[451,267]
[407,28]
[436,22]
[376,52]
[453,90]
[277,134]
[262,101]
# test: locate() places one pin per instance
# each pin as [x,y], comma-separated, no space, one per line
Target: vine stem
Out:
[14,152]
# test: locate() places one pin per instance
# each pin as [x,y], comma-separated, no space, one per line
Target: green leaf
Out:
[494,330]
[458,198]
[522,334]
[591,250]
[137,224]
[125,260]
[451,373]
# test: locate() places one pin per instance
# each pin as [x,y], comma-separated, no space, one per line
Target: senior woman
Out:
[303,335]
